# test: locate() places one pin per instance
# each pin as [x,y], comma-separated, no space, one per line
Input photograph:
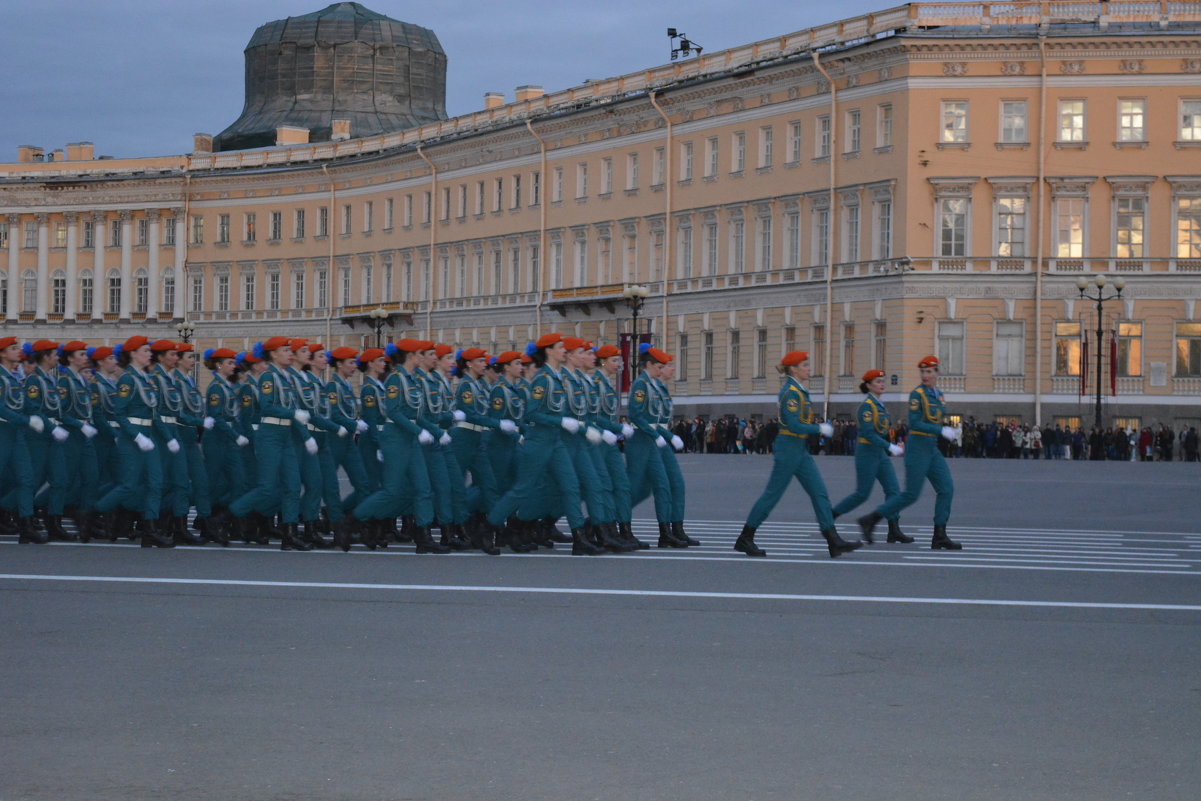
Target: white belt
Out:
[166,419]
[254,426]
[140,421]
[114,424]
[471,426]
[276,421]
[311,426]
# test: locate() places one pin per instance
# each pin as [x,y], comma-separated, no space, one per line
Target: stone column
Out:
[181,235]
[152,292]
[43,266]
[14,266]
[126,265]
[72,265]
[99,279]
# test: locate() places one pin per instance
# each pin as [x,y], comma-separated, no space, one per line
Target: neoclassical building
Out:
[873,190]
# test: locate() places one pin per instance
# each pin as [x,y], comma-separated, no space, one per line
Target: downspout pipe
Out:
[329,234]
[429,309]
[540,279]
[1039,252]
[180,311]
[830,223]
[668,179]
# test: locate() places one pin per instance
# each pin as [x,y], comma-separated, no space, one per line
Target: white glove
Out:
[895,450]
[342,432]
[826,429]
[660,442]
[593,434]
[59,433]
[458,415]
[37,424]
[361,426]
[145,444]
[570,425]
[208,423]
[609,437]
[949,433]
[445,439]
[677,443]
[173,445]
[302,417]
[379,455]
[87,431]
[310,445]
[425,437]
[508,426]
[627,430]
[241,441]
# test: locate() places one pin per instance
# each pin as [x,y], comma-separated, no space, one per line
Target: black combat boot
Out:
[8,523]
[627,534]
[291,540]
[941,542]
[454,538]
[27,533]
[211,529]
[344,532]
[406,529]
[84,521]
[613,541]
[312,535]
[555,534]
[677,531]
[425,541]
[895,534]
[179,529]
[867,524]
[746,543]
[54,527]
[581,545]
[487,538]
[153,538]
[837,545]
[524,535]
[667,538]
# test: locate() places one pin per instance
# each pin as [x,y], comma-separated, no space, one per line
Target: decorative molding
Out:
[1192,65]
[1071,186]
[1011,186]
[852,81]
[1013,68]
[1071,67]
[1133,66]
[1184,184]
[885,73]
[1130,184]
[953,187]
[954,68]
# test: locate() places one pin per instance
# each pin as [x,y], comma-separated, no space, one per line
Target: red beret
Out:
[794,357]
[337,354]
[315,347]
[102,352]
[871,375]
[250,358]
[161,346]
[658,355]
[440,350]
[605,351]
[371,354]
[275,343]
[133,343]
[547,340]
[929,361]
[74,345]
[7,342]
[508,356]
[526,359]
[223,353]
[407,345]
[44,344]
[184,347]
[574,343]
[297,344]
[472,353]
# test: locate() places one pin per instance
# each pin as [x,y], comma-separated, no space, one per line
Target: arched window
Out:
[58,292]
[114,292]
[141,291]
[29,291]
[168,279]
[87,292]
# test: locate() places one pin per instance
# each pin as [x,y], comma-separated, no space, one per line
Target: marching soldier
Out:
[647,474]
[374,365]
[310,392]
[440,415]
[609,361]
[78,417]
[14,449]
[343,411]
[225,440]
[675,476]
[192,419]
[105,374]
[177,484]
[471,441]
[44,400]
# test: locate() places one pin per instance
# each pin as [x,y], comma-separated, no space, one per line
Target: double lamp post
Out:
[1100,299]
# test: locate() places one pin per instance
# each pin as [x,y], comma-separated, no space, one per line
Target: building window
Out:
[115,237]
[1071,121]
[60,234]
[632,171]
[368,215]
[821,242]
[556,188]
[390,212]
[1069,227]
[461,274]
[707,356]
[710,255]
[58,293]
[223,293]
[823,136]
[1190,120]
[515,192]
[248,299]
[789,338]
[1011,227]
[197,230]
[89,235]
[1009,349]
[514,269]
[322,289]
[737,246]
[685,161]
[1188,350]
[368,283]
[818,356]
[684,255]
[760,353]
[850,244]
[141,292]
[763,248]
[169,234]
[344,295]
[735,354]
[168,299]
[848,349]
[223,228]
[711,156]
[953,226]
[298,290]
[1132,120]
[765,146]
[950,347]
[497,271]
[884,125]
[87,229]
[323,221]
[954,122]
[197,293]
[535,266]
[656,255]
[1130,349]
[86,293]
[682,362]
[657,167]
[854,134]
[880,345]
[1013,121]
[114,293]
[738,153]
[298,224]
[29,292]
[249,228]
[1130,217]
[348,212]
[884,229]
[427,208]
[794,143]
[273,291]
[1188,228]
[498,195]
[31,235]
[792,240]
[556,265]
[277,226]
[143,234]
[581,180]
[1067,348]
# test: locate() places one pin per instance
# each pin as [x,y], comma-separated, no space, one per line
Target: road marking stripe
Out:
[749,596]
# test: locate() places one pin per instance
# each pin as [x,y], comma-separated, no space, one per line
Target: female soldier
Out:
[343,411]
[47,449]
[791,459]
[310,392]
[450,496]
[374,365]
[105,373]
[14,449]
[508,401]
[176,481]
[136,410]
[224,441]
[646,472]
[871,457]
[927,421]
[78,417]
[192,419]
[258,526]
[605,380]
[675,477]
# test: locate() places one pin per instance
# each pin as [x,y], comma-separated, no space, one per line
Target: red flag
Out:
[1113,362]
[1083,363]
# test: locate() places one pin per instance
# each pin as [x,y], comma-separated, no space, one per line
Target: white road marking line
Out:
[749,596]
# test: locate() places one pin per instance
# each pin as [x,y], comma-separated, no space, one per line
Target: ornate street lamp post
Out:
[635,295]
[379,317]
[186,330]
[1100,299]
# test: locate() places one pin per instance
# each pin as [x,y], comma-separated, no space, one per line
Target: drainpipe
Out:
[1038,259]
[329,234]
[539,280]
[829,235]
[181,305]
[429,309]
[667,233]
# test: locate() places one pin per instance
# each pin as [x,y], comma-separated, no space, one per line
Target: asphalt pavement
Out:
[1055,658]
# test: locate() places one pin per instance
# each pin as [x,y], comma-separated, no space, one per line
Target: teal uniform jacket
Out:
[505,402]
[310,395]
[342,410]
[15,466]
[606,418]
[136,410]
[371,397]
[191,423]
[450,494]
[405,480]
[595,486]
[177,484]
[644,465]
[105,391]
[547,478]
[923,460]
[471,439]
[248,424]
[791,458]
[79,410]
[277,478]
[871,457]
[671,466]
[222,455]
[48,456]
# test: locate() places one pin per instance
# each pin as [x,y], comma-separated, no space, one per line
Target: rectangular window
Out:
[710,256]
[656,255]
[789,339]
[273,291]
[169,233]
[389,213]
[848,349]
[323,221]
[1190,120]
[950,347]
[707,356]
[1067,348]
[682,362]
[657,167]
[89,234]
[818,357]
[514,269]
[249,229]
[884,229]
[1132,115]
[1069,227]
[369,215]
[515,192]
[462,208]
[1071,121]
[737,246]
[821,241]
[498,194]
[581,180]
[738,152]
[367,284]
[115,234]
[58,295]
[427,208]
[497,271]
[1130,349]
[850,244]
[952,226]
[1188,227]
[1188,350]
[143,234]
[407,211]
[684,252]
[954,121]
[556,265]
[444,208]
[632,171]
[792,241]
[763,249]
[854,135]
[766,133]
[884,125]
[277,226]
[1009,349]
[685,161]
[114,295]
[141,293]
[1130,217]
[60,234]
[87,231]
[223,293]
[298,224]
[248,291]
[322,289]
[1011,227]
[86,294]
[760,353]
[298,290]
[556,188]
[31,234]
[711,156]
[535,188]
[344,273]
[735,354]
[822,140]
[197,293]
[880,345]
[222,229]
[794,143]
[347,216]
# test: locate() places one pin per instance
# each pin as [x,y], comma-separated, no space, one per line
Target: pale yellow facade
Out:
[959,173]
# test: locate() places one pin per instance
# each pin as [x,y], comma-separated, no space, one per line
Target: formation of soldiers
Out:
[491,451]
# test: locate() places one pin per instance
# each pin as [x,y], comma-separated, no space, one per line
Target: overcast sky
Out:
[138,78]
